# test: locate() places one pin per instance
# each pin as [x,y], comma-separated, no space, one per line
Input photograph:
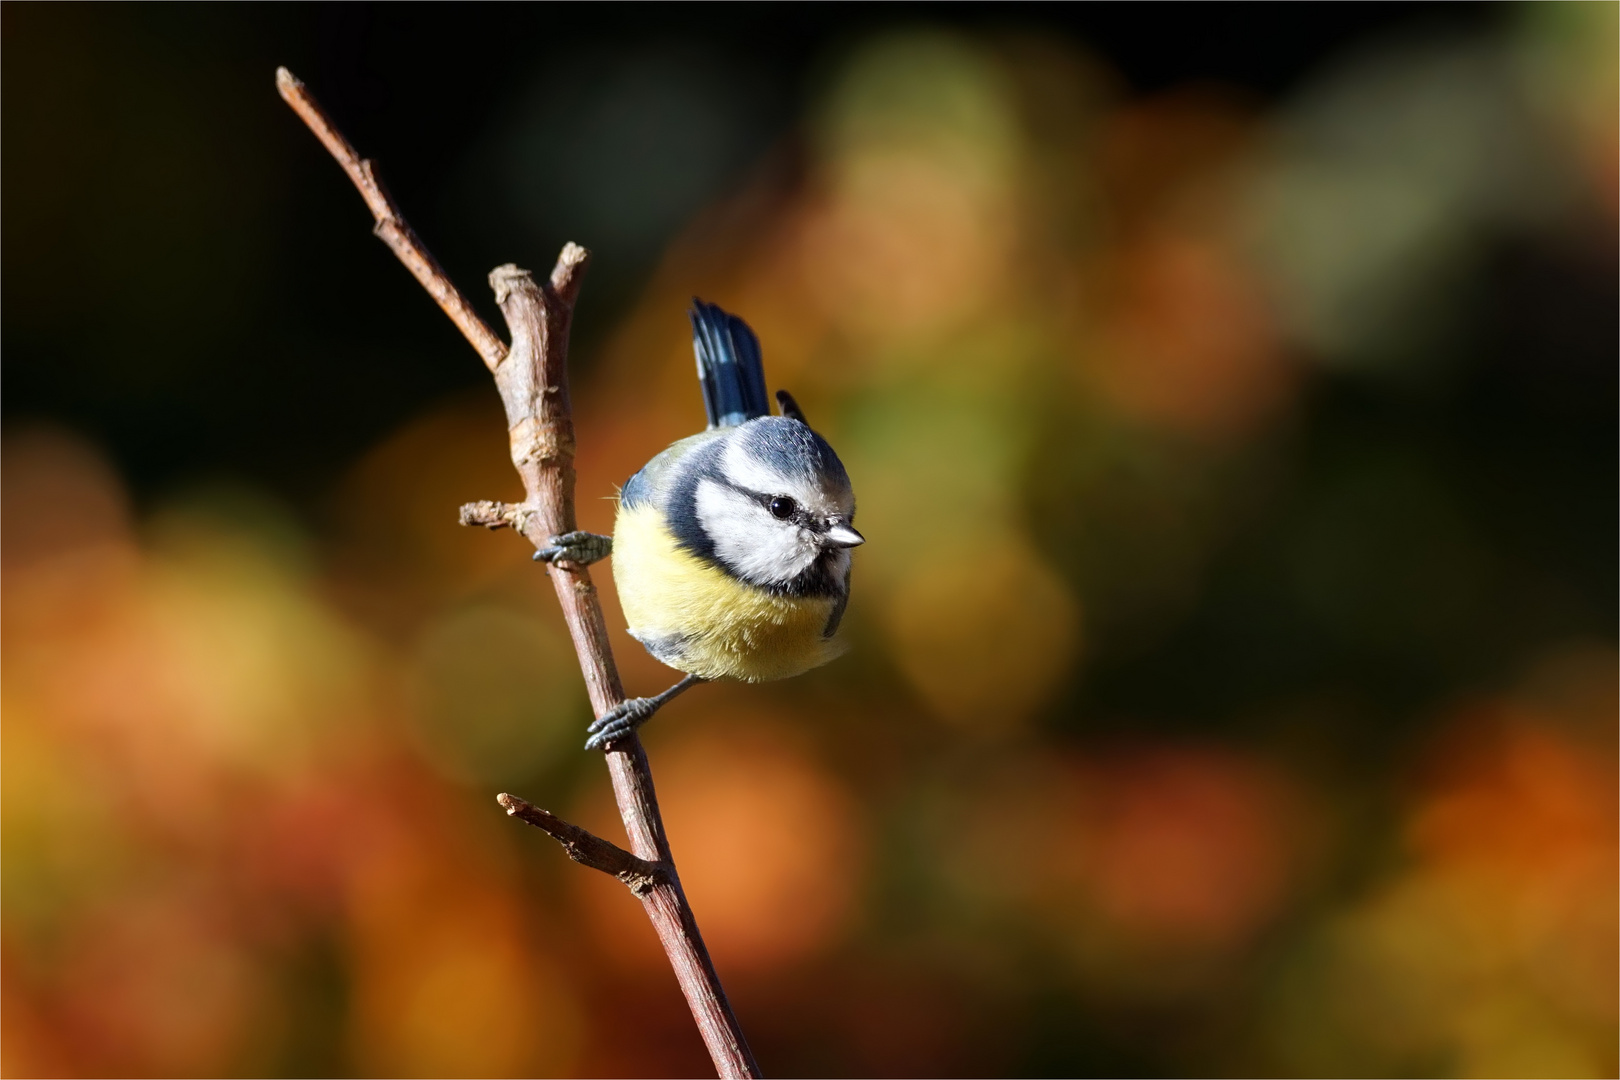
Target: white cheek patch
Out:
[748,539]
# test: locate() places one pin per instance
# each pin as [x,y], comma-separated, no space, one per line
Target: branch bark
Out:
[532,378]
[391,227]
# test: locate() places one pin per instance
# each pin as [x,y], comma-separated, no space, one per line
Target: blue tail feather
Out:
[729,366]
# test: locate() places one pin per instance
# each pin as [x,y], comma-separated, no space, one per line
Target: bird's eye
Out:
[783,507]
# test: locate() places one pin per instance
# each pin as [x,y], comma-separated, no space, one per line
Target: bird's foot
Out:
[620,721]
[578,548]
[625,717]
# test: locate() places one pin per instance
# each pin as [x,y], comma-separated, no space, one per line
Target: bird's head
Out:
[777,506]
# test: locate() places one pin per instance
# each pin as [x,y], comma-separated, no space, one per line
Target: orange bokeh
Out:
[1146,862]
[768,843]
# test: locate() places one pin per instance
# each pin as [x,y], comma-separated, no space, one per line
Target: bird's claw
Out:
[623,719]
[577,548]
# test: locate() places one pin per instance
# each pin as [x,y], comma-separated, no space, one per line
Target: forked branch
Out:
[532,377]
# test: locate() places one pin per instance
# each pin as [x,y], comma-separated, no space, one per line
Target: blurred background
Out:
[1231,397]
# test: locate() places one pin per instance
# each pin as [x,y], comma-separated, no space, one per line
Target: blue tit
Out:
[731,549]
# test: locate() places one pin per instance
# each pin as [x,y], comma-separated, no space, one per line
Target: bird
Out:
[731,548]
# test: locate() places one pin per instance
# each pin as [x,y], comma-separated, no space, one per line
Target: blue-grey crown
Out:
[792,449]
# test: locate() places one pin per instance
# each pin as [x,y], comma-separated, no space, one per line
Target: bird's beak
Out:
[841,535]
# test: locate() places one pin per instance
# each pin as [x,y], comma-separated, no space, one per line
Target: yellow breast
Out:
[723,627]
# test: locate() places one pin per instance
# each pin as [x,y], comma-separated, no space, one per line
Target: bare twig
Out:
[532,378]
[587,848]
[391,228]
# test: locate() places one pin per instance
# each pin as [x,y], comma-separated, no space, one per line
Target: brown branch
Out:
[533,382]
[492,515]
[391,227]
[587,848]
[532,377]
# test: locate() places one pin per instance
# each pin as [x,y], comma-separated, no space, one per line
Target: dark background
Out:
[186,280]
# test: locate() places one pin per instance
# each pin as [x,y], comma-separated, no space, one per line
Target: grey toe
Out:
[578,548]
[633,712]
[609,735]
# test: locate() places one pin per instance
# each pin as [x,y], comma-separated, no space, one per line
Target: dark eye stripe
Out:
[762,498]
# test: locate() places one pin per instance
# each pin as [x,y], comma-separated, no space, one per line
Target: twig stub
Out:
[588,849]
[491,515]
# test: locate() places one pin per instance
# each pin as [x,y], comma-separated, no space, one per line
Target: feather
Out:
[729,365]
[790,408]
